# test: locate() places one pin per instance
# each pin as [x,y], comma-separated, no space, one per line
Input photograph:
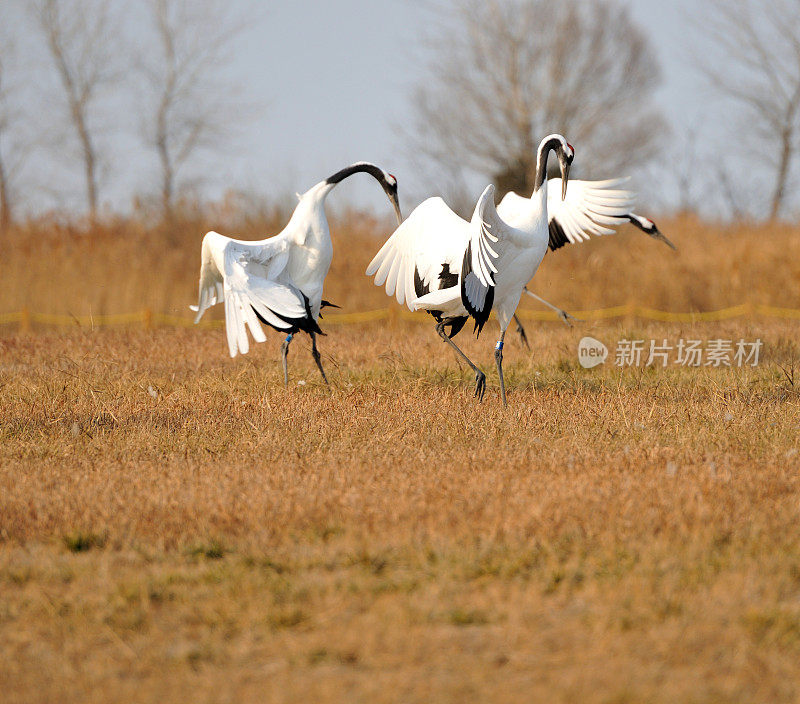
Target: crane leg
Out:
[317,357]
[284,354]
[480,377]
[521,333]
[498,358]
[566,317]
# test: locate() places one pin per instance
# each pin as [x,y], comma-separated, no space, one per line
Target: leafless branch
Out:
[755,64]
[189,107]
[80,39]
[14,147]
[503,74]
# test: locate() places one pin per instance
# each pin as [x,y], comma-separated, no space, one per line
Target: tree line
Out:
[500,73]
[169,74]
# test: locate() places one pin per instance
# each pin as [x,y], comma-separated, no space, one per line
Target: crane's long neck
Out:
[362,167]
[541,161]
[316,195]
[387,181]
[320,191]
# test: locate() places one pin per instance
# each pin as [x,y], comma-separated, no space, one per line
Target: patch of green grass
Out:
[266,564]
[404,585]
[317,656]
[83,541]
[467,617]
[321,655]
[287,618]
[213,550]
[375,564]
[19,575]
[774,625]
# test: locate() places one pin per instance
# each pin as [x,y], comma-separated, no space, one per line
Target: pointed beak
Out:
[656,234]
[396,204]
[564,175]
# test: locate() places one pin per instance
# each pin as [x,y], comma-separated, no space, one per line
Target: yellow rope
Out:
[771,312]
[87,320]
[10,317]
[149,318]
[174,321]
[366,316]
[633,311]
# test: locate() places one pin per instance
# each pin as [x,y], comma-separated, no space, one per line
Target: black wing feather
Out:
[306,324]
[480,316]
[558,237]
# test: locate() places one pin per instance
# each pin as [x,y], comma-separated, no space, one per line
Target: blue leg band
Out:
[499,345]
[289,338]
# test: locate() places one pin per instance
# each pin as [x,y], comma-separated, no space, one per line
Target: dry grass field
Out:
[177,526]
[124,266]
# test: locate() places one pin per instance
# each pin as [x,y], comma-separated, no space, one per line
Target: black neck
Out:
[541,161]
[370,169]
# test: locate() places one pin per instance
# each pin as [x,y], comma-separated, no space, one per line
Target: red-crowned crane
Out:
[456,269]
[278,280]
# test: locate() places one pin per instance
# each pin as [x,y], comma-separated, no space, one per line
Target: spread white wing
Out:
[487,234]
[590,208]
[246,276]
[413,258]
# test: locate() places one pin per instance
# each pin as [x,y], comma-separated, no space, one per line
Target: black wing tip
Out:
[558,238]
[306,324]
[420,288]
[455,325]
[480,316]
[447,277]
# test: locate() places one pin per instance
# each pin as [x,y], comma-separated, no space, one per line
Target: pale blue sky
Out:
[328,83]
[336,78]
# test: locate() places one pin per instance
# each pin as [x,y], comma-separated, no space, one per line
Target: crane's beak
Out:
[649,228]
[396,203]
[562,160]
[656,234]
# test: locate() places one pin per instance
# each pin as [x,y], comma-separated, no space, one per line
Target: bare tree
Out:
[6,120]
[684,180]
[755,62]
[13,141]
[190,106]
[80,38]
[503,74]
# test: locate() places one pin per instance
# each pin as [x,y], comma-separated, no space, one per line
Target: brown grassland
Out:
[177,526]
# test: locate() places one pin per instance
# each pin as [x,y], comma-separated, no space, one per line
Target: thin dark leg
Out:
[284,353]
[316,355]
[521,332]
[498,358]
[566,317]
[480,377]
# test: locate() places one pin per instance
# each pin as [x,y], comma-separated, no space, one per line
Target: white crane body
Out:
[279,280]
[454,269]
[519,254]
